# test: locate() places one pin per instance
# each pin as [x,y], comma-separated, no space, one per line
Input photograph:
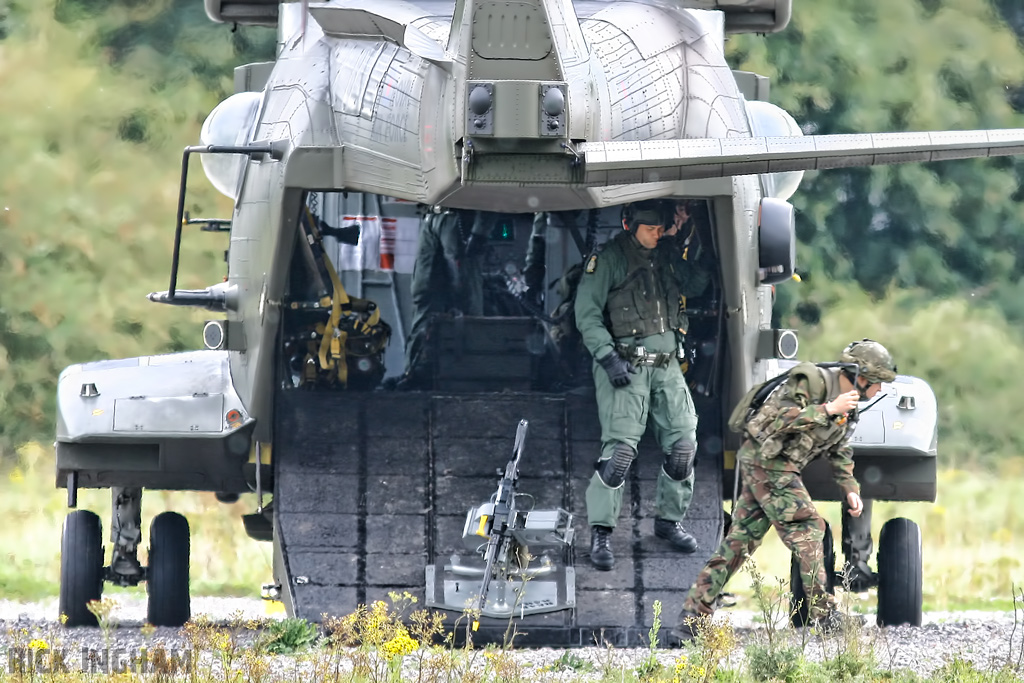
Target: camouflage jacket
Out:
[791,429]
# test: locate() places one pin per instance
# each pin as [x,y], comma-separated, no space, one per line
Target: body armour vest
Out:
[797,448]
[638,306]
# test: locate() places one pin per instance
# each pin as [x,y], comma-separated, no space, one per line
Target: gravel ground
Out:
[991,640]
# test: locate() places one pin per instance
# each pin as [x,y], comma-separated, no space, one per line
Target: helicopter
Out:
[372,114]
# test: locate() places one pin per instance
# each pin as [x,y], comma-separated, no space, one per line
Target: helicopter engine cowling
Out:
[769,120]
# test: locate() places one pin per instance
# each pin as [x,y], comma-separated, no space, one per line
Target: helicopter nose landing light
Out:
[230,123]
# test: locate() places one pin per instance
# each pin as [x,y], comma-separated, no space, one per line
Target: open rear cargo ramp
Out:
[371,489]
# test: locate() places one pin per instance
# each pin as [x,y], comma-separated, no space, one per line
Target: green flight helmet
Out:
[874,360]
[646,212]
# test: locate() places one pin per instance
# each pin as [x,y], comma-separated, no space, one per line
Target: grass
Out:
[224,560]
[973,537]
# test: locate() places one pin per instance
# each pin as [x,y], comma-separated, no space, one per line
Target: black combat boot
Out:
[601,548]
[674,533]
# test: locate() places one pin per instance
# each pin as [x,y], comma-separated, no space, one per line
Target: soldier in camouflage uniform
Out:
[627,311]
[807,416]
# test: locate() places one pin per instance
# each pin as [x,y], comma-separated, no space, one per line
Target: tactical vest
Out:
[638,307]
[797,448]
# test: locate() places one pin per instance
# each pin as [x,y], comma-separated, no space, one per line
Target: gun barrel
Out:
[517,449]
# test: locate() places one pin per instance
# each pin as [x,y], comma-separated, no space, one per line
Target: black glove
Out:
[476,245]
[618,368]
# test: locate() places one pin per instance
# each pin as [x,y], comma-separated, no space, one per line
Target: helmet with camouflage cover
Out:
[874,360]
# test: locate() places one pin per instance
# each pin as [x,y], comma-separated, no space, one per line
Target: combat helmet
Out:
[874,360]
[646,212]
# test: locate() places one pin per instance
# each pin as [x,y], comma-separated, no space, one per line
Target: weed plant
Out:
[393,641]
[973,537]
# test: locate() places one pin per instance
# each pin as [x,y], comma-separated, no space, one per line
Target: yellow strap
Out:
[339,298]
[483,523]
[341,366]
[332,343]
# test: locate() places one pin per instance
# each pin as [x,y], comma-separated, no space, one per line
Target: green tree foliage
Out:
[91,161]
[1013,12]
[968,353]
[166,41]
[878,66]
[101,95]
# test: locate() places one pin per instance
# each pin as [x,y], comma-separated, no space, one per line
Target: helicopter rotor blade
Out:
[621,163]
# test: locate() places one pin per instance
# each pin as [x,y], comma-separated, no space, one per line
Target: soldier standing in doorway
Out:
[627,313]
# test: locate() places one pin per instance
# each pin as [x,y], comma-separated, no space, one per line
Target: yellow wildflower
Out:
[400,645]
[38,644]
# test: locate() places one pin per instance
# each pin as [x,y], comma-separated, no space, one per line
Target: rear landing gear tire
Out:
[899,573]
[167,576]
[799,610]
[81,567]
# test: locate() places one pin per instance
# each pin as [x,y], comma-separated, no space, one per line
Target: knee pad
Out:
[613,470]
[679,460]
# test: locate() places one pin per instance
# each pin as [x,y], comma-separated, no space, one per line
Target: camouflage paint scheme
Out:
[788,431]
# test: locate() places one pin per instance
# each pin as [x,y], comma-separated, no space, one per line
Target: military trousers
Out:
[662,394]
[443,278]
[768,498]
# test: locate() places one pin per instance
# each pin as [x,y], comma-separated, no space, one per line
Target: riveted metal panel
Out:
[511,30]
[174,414]
[514,104]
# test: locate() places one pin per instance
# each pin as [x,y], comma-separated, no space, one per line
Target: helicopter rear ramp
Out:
[371,488]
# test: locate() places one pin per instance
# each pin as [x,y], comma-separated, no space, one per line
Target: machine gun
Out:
[497,527]
[509,584]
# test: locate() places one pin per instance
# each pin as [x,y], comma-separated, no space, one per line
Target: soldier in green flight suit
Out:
[447,277]
[627,311]
[807,416]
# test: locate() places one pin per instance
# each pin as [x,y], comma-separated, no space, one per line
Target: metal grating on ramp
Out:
[372,488]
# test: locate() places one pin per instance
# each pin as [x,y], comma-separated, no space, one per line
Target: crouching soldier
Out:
[806,416]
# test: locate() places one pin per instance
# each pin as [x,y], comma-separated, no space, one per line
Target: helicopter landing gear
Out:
[857,576]
[167,580]
[81,567]
[81,561]
[799,610]
[125,534]
[899,573]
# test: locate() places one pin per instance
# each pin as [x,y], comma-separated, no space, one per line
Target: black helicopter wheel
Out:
[81,567]
[799,610]
[167,575]
[899,573]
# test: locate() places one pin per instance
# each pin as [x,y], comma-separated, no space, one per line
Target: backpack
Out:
[759,393]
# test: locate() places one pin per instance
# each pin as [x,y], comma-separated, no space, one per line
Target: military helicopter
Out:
[370,112]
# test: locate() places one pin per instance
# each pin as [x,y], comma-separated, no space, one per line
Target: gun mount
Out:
[512,580]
